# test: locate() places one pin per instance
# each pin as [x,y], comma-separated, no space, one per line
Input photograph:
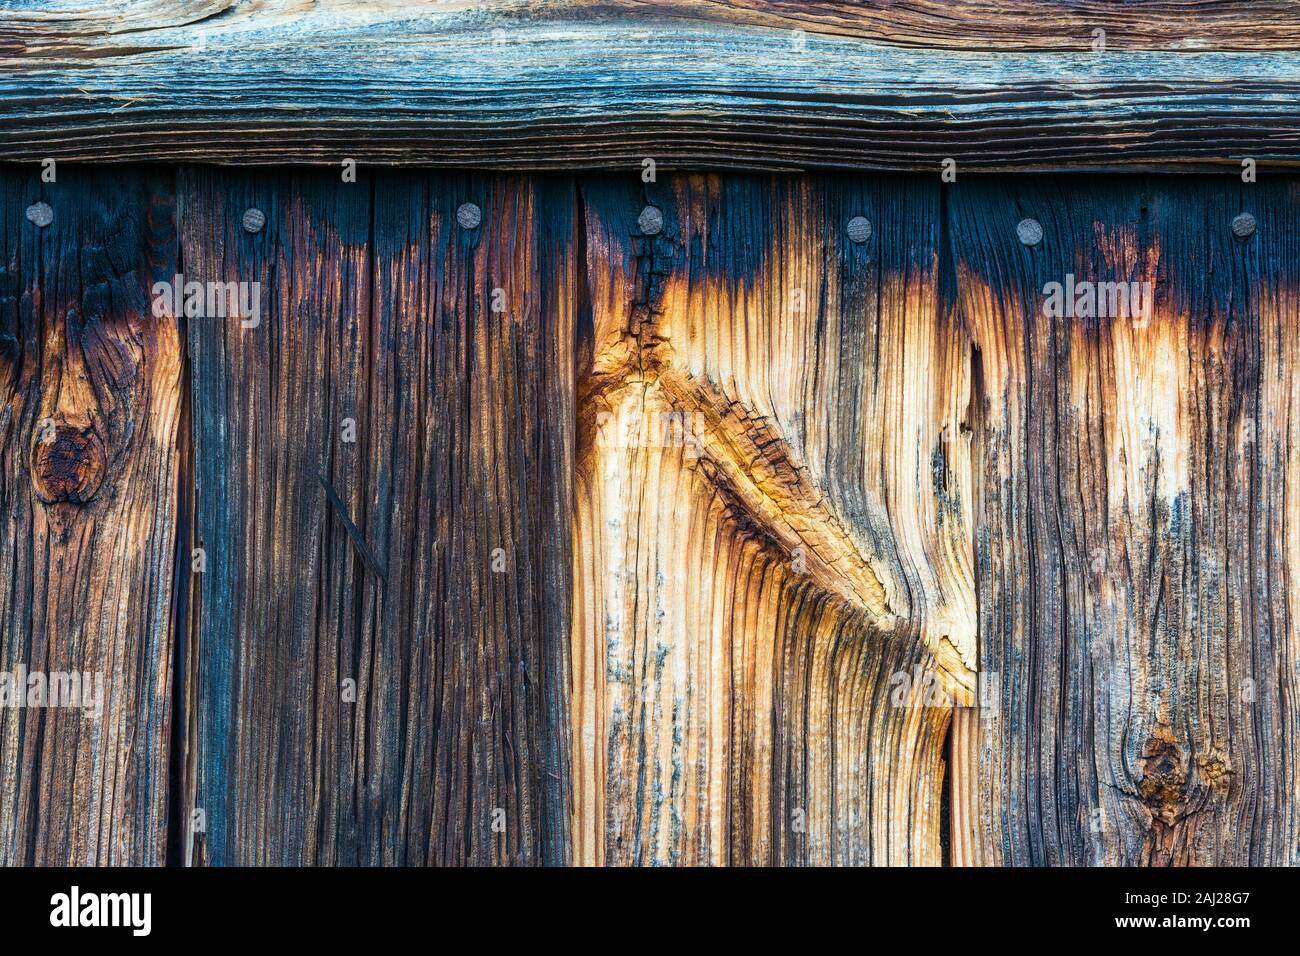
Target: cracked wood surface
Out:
[759,84]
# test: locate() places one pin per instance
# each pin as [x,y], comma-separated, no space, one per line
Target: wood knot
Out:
[67,462]
[1164,778]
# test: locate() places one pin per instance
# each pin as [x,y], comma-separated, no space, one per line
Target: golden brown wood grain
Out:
[773,559]
[732,541]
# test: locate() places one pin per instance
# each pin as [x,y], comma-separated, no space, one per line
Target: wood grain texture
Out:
[723,541]
[1010,24]
[456,487]
[773,602]
[51,27]
[688,84]
[477,422]
[90,400]
[1136,538]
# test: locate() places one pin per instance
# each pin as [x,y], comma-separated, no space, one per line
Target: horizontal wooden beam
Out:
[687,84]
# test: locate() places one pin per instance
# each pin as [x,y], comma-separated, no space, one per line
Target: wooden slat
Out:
[1138,531]
[770,526]
[688,84]
[276,628]
[373,561]
[90,400]
[472,405]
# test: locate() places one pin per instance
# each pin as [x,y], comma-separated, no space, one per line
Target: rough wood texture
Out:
[774,608]
[476,422]
[689,534]
[1138,534]
[90,399]
[49,28]
[446,601]
[964,842]
[688,84]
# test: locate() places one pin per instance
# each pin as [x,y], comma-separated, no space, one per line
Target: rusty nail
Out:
[859,229]
[41,214]
[254,220]
[1243,227]
[651,221]
[1030,231]
[469,216]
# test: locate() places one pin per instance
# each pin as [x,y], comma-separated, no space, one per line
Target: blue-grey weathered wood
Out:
[261,84]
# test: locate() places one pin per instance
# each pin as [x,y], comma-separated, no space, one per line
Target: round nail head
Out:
[40,214]
[254,220]
[1030,231]
[469,216]
[1243,227]
[859,229]
[651,221]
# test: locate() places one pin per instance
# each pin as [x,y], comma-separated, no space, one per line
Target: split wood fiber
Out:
[691,84]
[682,535]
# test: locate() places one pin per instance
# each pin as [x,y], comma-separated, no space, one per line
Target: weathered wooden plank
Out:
[276,627]
[382,475]
[473,390]
[773,602]
[49,28]
[90,398]
[1137,527]
[687,84]
[781,443]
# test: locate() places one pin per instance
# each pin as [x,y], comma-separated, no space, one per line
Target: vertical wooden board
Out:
[1136,522]
[371,690]
[275,616]
[774,608]
[472,381]
[90,399]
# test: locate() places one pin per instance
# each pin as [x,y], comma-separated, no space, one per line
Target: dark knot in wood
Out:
[67,463]
[1164,776]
